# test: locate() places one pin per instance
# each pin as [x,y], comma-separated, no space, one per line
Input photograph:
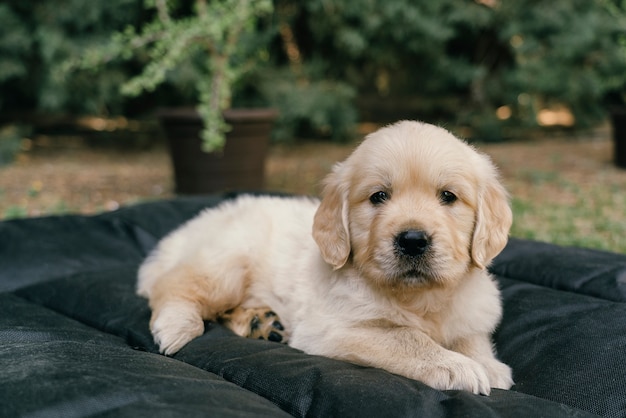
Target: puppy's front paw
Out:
[257,323]
[500,375]
[456,371]
[174,326]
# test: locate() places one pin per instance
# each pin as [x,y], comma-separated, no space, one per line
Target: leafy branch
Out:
[214,29]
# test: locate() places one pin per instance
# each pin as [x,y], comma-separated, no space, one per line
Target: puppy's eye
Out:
[447,197]
[379,197]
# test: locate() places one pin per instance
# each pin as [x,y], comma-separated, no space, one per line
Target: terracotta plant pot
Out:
[618,120]
[239,166]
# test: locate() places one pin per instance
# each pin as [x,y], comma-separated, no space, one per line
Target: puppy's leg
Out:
[401,350]
[257,323]
[480,348]
[184,297]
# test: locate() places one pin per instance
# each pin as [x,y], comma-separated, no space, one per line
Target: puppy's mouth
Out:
[414,271]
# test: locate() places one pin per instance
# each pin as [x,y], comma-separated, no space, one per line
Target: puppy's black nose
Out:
[412,242]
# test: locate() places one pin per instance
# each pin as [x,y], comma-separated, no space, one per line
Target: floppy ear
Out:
[330,225]
[493,221]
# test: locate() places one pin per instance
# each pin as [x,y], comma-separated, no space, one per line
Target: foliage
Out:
[616,85]
[464,59]
[208,38]
[35,37]
[456,61]
[310,105]
[565,52]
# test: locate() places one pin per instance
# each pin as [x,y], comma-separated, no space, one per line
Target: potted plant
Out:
[217,38]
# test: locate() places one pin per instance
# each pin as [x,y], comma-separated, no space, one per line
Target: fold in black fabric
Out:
[588,272]
[74,338]
[53,366]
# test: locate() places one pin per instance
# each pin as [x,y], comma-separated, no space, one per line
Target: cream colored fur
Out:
[331,271]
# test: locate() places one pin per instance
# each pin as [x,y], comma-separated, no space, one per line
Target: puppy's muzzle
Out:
[412,243]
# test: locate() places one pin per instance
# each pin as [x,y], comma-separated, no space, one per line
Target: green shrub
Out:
[310,107]
[462,60]
[37,37]
[452,60]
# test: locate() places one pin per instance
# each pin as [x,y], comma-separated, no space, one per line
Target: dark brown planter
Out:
[239,166]
[618,119]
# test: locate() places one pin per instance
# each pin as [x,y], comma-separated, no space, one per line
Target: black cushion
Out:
[74,337]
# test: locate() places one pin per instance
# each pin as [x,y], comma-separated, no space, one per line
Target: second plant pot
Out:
[240,165]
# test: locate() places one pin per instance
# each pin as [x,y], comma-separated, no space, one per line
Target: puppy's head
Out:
[412,206]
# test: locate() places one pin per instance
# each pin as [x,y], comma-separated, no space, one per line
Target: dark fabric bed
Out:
[74,338]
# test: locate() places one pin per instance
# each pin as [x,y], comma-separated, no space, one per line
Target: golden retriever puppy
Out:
[388,270]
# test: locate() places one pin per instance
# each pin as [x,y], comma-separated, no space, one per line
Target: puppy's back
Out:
[245,226]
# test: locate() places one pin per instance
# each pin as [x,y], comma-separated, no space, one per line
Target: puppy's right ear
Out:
[330,225]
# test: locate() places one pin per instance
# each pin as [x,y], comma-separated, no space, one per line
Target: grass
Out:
[589,222]
[566,192]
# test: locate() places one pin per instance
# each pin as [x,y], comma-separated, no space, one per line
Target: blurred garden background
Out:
[533,83]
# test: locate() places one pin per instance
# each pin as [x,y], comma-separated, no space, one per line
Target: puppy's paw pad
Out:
[265,325]
[259,323]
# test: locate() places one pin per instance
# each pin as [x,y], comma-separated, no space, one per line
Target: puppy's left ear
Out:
[330,225]
[493,222]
